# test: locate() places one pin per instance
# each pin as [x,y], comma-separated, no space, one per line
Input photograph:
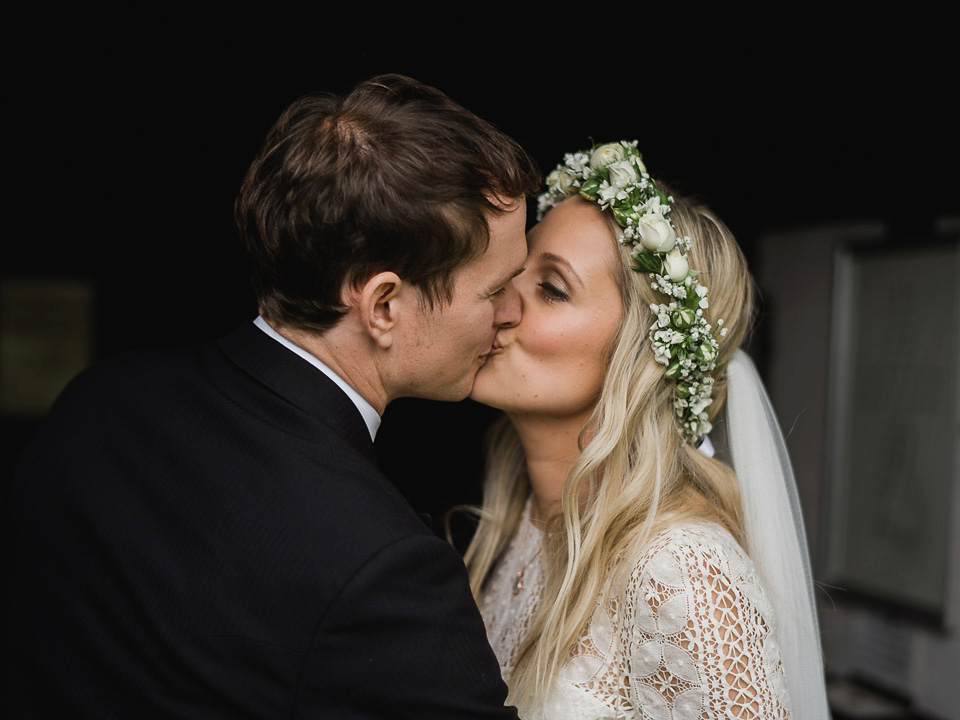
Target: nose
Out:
[508,308]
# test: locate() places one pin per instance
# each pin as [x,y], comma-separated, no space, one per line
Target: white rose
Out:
[607,154]
[675,266]
[561,180]
[622,173]
[656,233]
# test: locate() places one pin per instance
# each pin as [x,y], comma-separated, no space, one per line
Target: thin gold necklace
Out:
[518,578]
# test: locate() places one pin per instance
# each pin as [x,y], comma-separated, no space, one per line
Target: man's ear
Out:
[379,306]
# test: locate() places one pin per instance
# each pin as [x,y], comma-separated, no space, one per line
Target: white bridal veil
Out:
[776,537]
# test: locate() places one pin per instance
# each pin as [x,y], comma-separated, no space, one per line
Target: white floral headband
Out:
[614,176]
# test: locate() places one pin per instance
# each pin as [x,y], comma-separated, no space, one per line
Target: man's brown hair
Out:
[393,176]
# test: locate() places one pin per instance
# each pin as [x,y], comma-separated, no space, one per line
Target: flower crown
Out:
[614,176]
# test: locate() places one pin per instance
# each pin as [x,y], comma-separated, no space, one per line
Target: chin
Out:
[456,392]
[482,395]
[476,393]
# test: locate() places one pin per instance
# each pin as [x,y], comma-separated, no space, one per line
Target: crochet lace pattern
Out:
[691,636]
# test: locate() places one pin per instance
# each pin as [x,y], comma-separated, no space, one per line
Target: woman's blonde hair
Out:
[635,474]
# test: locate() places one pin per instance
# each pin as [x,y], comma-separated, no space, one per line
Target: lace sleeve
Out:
[700,642]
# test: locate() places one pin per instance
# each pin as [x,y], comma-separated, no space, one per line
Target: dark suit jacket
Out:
[204,534]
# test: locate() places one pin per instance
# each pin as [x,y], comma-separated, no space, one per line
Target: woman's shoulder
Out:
[692,533]
[690,549]
[688,571]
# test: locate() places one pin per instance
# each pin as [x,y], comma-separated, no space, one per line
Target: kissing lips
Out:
[495,348]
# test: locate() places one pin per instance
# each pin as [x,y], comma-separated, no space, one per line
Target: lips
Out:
[495,348]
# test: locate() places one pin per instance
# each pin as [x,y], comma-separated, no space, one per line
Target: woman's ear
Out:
[379,304]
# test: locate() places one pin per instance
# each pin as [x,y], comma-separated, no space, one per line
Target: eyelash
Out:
[552,293]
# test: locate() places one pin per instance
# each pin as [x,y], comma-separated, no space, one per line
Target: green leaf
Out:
[648,262]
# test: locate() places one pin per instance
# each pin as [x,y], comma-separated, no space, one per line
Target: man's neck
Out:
[345,354]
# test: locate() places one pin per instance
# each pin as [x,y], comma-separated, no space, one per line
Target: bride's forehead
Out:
[579,232]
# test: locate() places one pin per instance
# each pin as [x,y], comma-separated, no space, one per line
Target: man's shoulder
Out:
[134,366]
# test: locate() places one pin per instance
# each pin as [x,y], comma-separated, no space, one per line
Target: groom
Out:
[203,533]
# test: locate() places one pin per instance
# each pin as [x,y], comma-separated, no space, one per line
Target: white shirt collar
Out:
[370,416]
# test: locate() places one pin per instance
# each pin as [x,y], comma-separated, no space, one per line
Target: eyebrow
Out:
[559,260]
[496,287]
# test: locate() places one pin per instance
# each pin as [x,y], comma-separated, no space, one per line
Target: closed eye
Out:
[503,288]
[552,293]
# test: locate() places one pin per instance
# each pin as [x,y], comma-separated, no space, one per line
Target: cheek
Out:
[578,352]
[549,340]
[467,328]
[594,350]
[476,317]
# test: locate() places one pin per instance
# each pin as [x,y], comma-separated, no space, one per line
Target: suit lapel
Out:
[298,382]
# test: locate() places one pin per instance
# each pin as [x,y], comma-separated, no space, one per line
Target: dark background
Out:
[126,141]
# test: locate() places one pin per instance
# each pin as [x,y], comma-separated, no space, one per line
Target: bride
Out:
[623,569]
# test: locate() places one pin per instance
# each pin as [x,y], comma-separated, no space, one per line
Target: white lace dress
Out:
[690,636]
